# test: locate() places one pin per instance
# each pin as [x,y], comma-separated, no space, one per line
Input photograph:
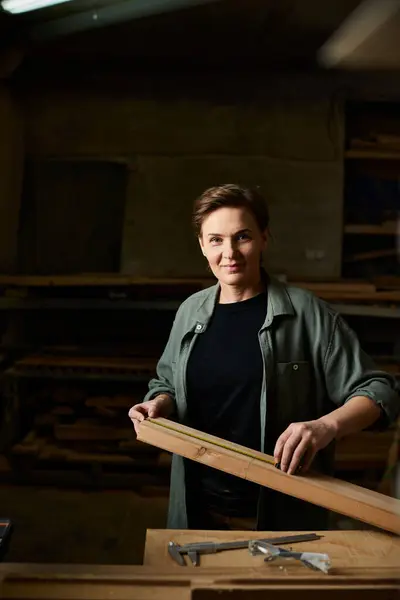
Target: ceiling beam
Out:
[368,38]
[108,15]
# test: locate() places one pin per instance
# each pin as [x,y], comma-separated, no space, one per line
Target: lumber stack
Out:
[71,426]
[334,494]
[383,289]
[73,430]
[48,364]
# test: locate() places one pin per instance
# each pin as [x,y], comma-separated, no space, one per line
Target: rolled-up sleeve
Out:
[350,372]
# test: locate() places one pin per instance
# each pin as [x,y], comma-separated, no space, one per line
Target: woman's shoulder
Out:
[198,298]
[199,305]
[306,301]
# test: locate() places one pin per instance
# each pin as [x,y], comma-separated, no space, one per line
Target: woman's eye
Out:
[215,240]
[243,236]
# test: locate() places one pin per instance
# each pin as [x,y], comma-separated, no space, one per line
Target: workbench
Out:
[366,566]
[348,550]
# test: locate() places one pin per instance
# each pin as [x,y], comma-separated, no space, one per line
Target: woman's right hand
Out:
[160,406]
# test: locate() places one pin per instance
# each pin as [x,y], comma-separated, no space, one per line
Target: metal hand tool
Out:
[313,560]
[193,551]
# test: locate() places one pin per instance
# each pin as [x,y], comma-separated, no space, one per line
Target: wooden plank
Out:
[372,154]
[196,587]
[90,588]
[197,282]
[340,496]
[88,362]
[387,282]
[97,582]
[253,592]
[387,228]
[346,549]
[35,572]
[371,254]
[30,445]
[384,312]
[99,279]
[389,296]
[342,285]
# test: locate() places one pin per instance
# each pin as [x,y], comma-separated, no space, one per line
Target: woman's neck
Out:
[232,293]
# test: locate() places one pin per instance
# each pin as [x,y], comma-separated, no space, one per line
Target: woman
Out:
[262,364]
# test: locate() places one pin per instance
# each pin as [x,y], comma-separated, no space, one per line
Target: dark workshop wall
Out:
[177,145]
[11,172]
[71,216]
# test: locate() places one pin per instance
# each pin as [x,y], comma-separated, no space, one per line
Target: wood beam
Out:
[368,38]
[124,582]
[334,494]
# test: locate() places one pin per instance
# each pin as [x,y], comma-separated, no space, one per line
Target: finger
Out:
[297,456]
[288,449]
[135,415]
[137,412]
[136,425]
[280,444]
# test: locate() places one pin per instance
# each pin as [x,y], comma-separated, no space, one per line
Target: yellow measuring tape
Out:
[264,458]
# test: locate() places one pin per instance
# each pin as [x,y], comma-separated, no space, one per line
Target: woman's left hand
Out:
[298,444]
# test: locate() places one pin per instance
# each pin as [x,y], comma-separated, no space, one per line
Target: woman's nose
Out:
[229,249]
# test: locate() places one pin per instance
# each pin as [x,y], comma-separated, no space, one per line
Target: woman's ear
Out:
[201,244]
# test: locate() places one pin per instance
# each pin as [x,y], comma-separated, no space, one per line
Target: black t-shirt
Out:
[224,379]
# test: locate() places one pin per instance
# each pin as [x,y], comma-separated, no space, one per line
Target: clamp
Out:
[313,560]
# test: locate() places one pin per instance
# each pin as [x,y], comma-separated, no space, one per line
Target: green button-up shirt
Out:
[312,364]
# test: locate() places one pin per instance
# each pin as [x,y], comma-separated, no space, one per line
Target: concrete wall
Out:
[11,172]
[176,146]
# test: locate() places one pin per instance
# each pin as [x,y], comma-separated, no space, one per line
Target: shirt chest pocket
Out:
[293,392]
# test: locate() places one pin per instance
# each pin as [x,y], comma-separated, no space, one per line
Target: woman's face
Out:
[232,243]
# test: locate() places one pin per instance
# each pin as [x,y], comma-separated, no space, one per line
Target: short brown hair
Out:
[230,195]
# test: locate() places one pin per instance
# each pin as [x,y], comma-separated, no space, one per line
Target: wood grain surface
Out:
[334,494]
[347,549]
[125,582]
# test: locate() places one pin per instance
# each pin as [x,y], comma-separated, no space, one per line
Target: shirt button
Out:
[295,367]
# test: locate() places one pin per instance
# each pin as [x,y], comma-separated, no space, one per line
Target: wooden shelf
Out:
[363,310]
[100,280]
[372,154]
[371,254]
[389,228]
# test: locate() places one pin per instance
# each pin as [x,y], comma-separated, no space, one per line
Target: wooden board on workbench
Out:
[334,494]
[347,549]
[123,582]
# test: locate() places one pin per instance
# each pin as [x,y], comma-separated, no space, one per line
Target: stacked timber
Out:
[384,289]
[73,431]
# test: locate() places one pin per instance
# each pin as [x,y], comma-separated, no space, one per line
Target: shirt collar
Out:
[279,303]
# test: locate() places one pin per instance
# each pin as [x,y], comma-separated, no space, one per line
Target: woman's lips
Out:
[233,268]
